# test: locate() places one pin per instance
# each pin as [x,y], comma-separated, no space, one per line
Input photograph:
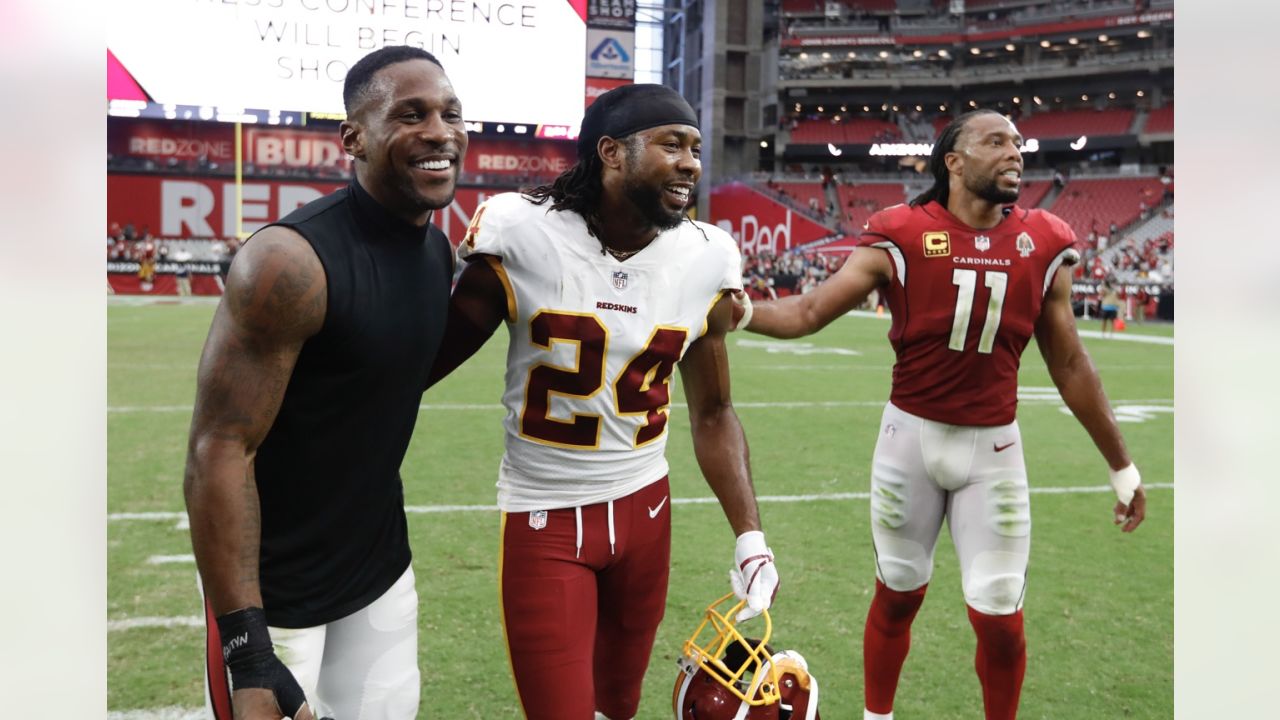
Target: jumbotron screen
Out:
[509,61]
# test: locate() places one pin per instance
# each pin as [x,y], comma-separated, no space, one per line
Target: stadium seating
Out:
[866,199]
[859,131]
[803,6]
[1160,225]
[1074,123]
[1116,200]
[817,132]
[1033,191]
[1160,120]
[801,192]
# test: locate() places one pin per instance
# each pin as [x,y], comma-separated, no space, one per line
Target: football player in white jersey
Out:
[605,286]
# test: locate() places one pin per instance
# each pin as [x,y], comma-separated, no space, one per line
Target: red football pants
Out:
[580,617]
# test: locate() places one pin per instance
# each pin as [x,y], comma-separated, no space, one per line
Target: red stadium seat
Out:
[867,199]
[1160,120]
[1074,123]
[1106,201]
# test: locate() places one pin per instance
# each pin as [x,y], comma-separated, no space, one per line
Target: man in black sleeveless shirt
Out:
[308,390]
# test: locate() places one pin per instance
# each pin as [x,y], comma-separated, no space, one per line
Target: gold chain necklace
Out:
[621,255]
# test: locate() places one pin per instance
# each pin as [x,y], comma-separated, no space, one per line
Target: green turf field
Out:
[1099,607]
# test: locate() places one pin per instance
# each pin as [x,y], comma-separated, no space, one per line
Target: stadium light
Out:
[917,53]
[1037,99]
[942,108]
[1144,34]
[973,103]
[1141,94]
[852,54]
[1010,47]
[919,109]
[866,108]
[1074,41]
[844,108]
[821,109]
[943,53]
[895,108]
[1045,43]
[1103,38]
[804,56]
[884,107]
[1017,100]
[884,54]
[975,51]
[826,56]
[1111,95]
[764,143]
[1084,98]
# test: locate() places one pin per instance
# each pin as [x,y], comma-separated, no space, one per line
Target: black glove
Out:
[251,658]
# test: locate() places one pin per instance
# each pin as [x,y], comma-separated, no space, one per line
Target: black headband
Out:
[630,109]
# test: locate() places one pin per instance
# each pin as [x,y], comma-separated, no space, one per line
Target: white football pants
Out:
[974,477]
[361,667]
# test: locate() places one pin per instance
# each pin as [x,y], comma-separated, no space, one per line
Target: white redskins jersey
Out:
[594,343]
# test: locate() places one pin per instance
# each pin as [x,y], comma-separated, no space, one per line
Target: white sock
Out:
[602,716]
[868,715]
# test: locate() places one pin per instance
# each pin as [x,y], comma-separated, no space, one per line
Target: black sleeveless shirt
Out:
[334,536]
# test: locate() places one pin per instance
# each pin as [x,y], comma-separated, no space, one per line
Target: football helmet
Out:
[725,675]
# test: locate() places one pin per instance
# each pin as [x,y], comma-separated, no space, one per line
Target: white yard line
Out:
[817,497]
[171,559]
[153,622]
[492,407]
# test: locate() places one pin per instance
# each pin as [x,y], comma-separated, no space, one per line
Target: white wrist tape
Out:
[747,310]
[1125,481]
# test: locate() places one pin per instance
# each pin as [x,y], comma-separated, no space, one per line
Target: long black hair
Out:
[941,189]
[578,189]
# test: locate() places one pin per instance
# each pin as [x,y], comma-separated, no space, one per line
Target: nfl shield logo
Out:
[982,242]
[620,279]
[538,519]
[1024,245]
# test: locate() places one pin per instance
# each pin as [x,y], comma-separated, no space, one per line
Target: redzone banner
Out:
[295,148]
[759,223]
[518,157]
[183,207]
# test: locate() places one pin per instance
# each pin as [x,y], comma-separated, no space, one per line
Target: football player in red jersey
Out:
[969,279]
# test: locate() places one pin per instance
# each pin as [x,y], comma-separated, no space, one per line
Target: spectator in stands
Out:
[1109,299]
[182,272]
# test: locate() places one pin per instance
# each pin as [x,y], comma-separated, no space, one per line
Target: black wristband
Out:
[246,642]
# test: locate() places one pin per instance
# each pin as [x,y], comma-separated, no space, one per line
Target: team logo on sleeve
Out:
[982,242]
[937,244]
[620,279]
[474,227]
[1025,245]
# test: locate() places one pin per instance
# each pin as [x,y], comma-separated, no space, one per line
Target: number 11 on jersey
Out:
[967,282]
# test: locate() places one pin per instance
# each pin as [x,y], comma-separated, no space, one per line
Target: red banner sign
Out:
[183,207]
[599,86]
[486,156]
[164,140]
[761,224]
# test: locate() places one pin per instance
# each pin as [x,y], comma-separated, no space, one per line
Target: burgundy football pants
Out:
[580,612]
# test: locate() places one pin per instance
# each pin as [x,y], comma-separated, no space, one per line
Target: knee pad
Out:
[902,564]
[996,582]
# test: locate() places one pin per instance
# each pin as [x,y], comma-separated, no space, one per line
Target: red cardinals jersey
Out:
[965,302]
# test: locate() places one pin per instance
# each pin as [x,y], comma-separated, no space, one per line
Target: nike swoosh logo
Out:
[653,511]
[999,448]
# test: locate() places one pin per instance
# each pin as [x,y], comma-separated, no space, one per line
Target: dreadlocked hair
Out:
[941,188]
[577,189]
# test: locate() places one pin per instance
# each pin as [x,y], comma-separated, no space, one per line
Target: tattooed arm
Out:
[275,299]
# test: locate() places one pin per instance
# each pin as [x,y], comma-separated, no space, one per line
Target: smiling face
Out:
[987,159]
[408,139]
[661,169]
